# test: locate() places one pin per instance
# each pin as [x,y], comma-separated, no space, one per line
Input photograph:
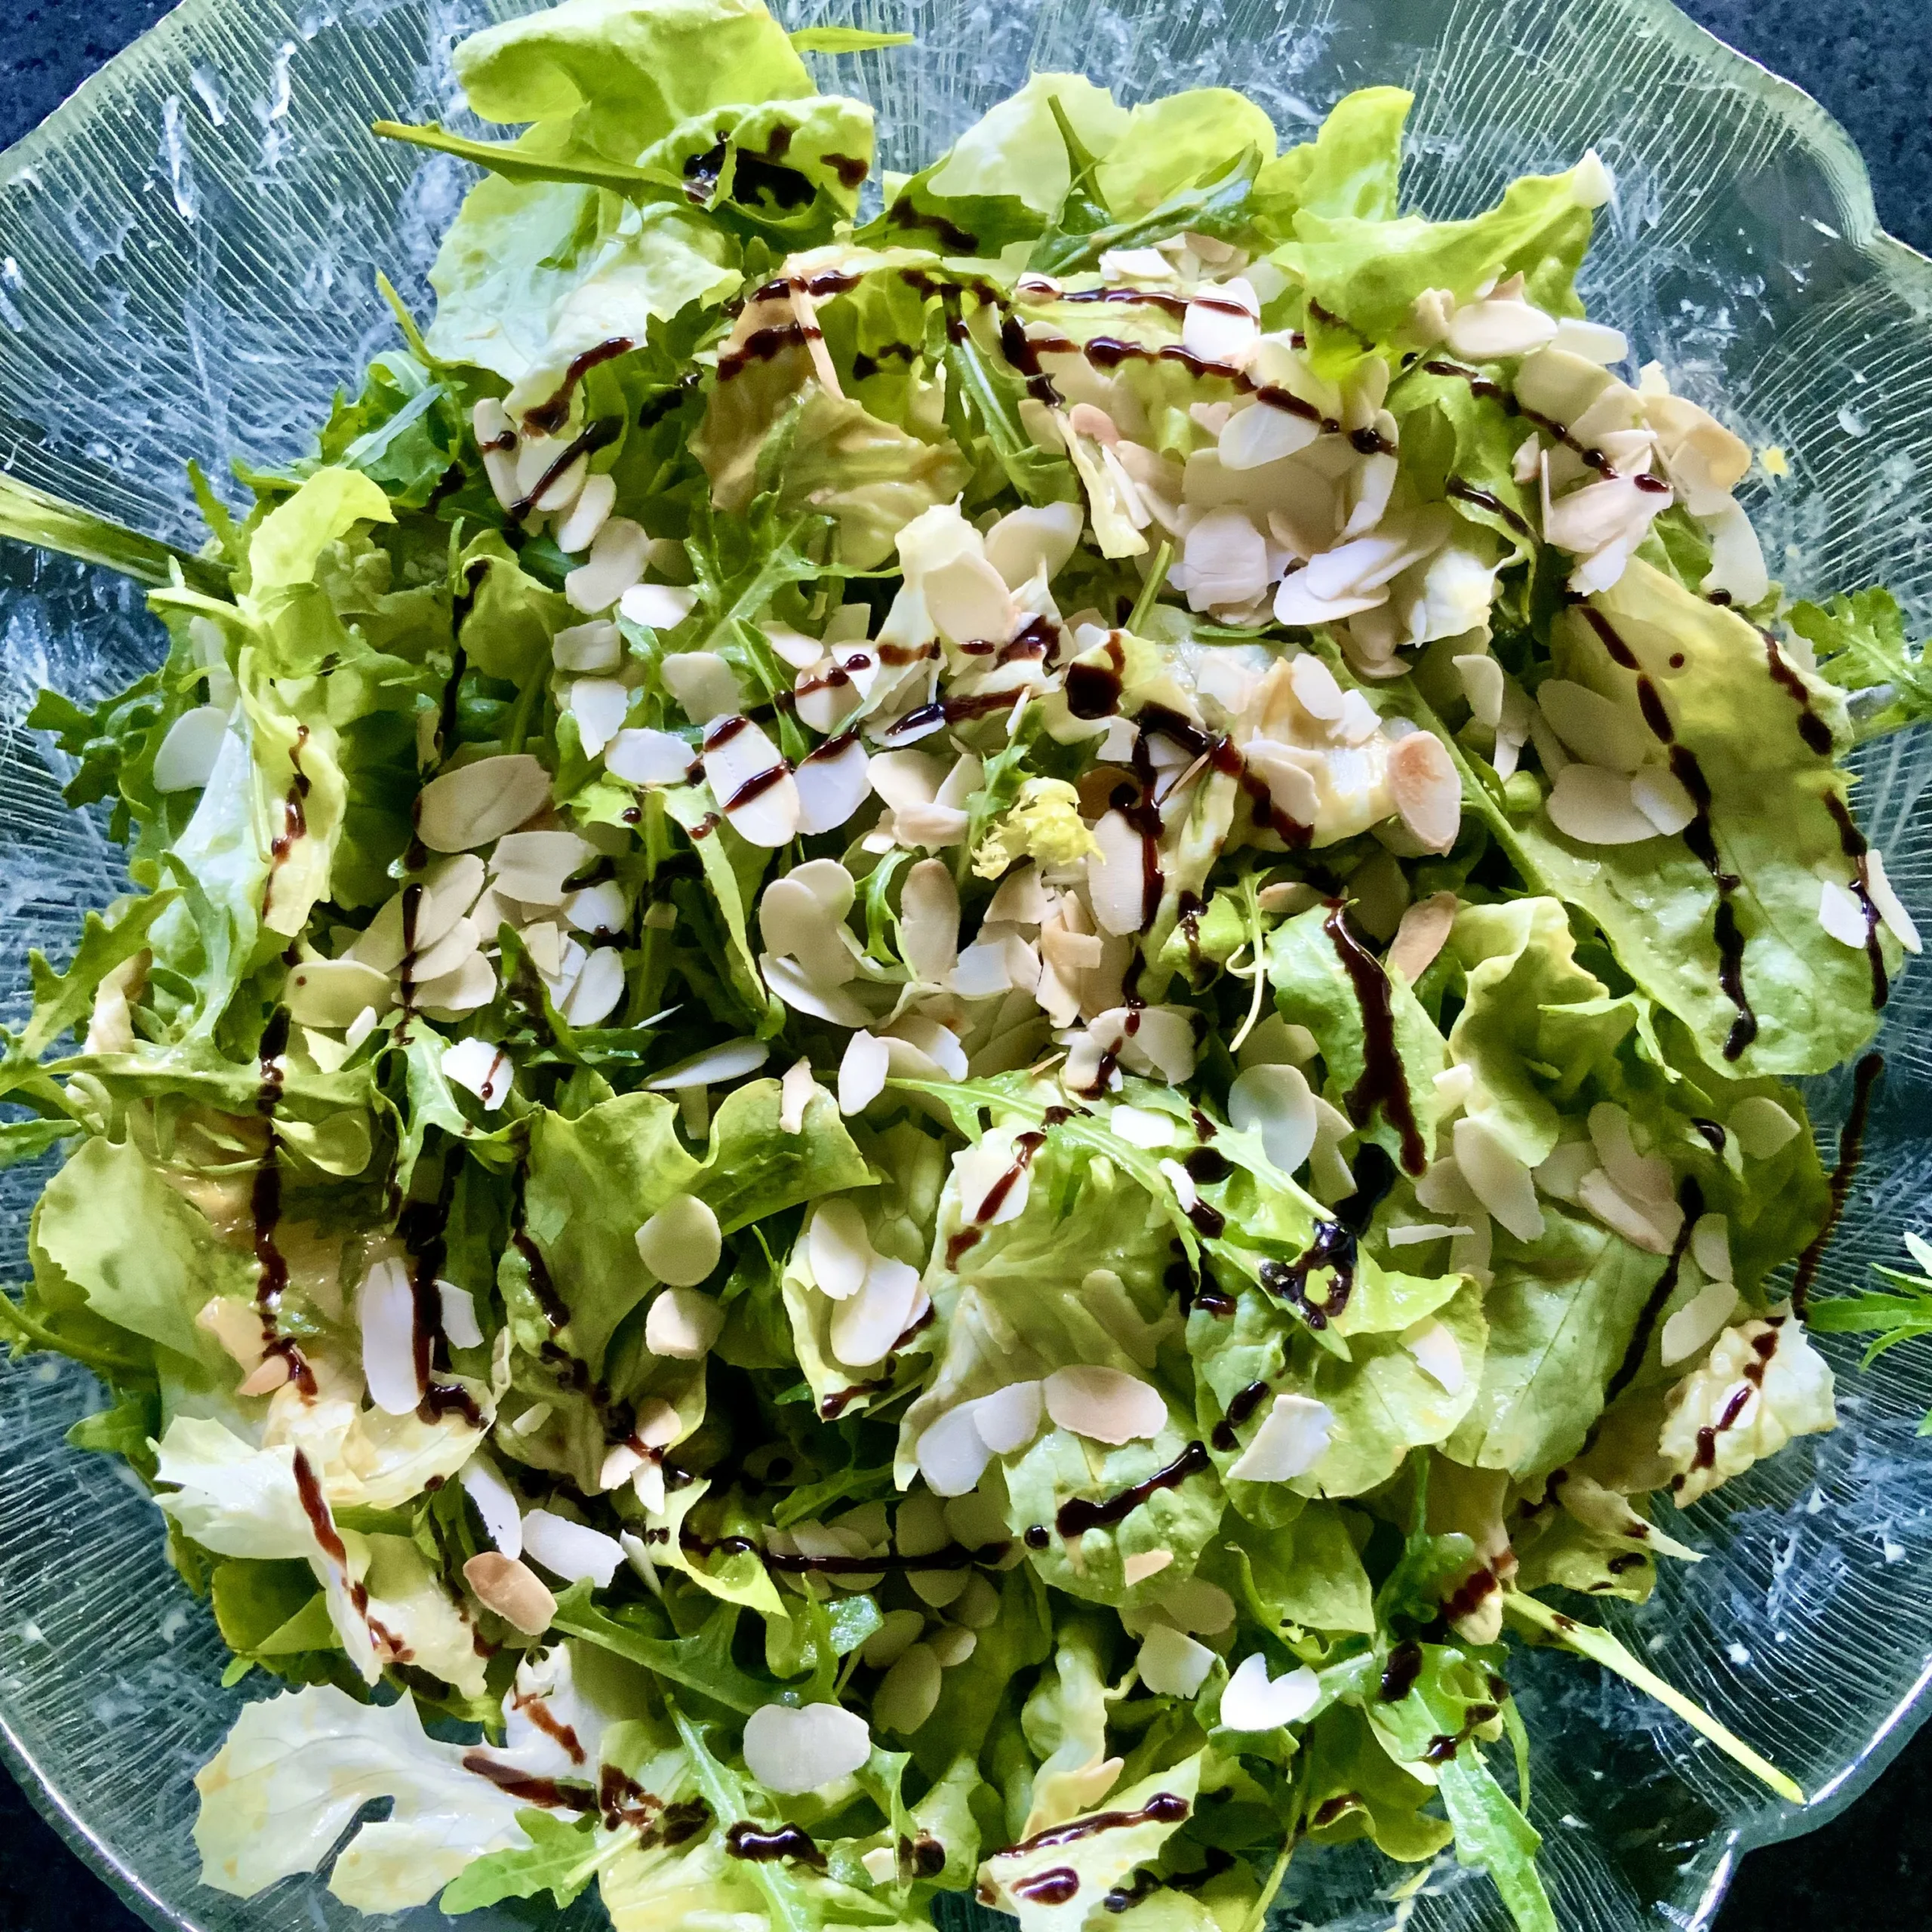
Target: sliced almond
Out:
[839,1248]
[1027,542]
[968,601]
[1651,1226]
[1594,807]
[645,756]
[751,782]
[386,1313]
[575,533]
[1104,1404]
[1293,1438]
[1252,1702]
[929,921]
[1700,1321]
[571,1550]
[732,1059]
[1423,932]
[331,992]
[592,646]
[865,1326]
[1710,1246]
[1497,1178]
[1427,791]
[1661,796]
[1841,914]
[1172,1665]
[471,985]
[512,1590]
[833,783]
[1891,907]
[681,1244]
[530,867]
[682,1325]
[703,683]
[862,1071]
[994,1181]
[1438,1354]
[597,705]
[480,1067]
[474,805]
[496,1504]
[595,992]
[618,554]
[951,1453]
[1593,727]
[1761,1126]
[1009,1419]
[1495,331]
[186,758]
[657,607]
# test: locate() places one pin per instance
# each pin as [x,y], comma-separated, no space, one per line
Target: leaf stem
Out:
[1590,1640]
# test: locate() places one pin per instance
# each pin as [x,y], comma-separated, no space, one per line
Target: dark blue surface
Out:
[1870,63]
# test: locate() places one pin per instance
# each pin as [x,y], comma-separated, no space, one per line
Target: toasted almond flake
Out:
[1841,914]
[904,1701]
[682,1325]
[1027,542]
[592,646]
[534,460]
[893,1637]
[331,992]
[862,1071]
[187,754]
[967,601]
[618,555]
[598,909]
[980,1169]
[1277,1041]
[471,985]
[573,1551]
[1115,875]
[1426,790]
[1710,1246]
[1494,331]
[597,705]
[620,1463]
[929,921]
[796,988]
[496,1504]
[1216,335]
[512,1590]
[577,531]
[1644,1177]
[237,1325]
[833,783]
[659,607]
[794,923]
[1084,419]
[1483,685]
[644,755]
[1277,1102]
[1649,1225]
[1226,560]
[1415,1233]
[1438,1353]
[1699,1322]
[1009,1418]
[681,1243]
[951,1453]
[1424,930]
[457,1309]
[480,1067]
[1252,1702]
[1141,1127]
[1591,726]
[1257,434]
[386,1313]
[865,1326]
[492,423]
[1497,1178]
[1171,1664]
[1145,1563]
[1661,797]
[1761,1126]
[731,1060]
[474,805]
[838,1247]
[1292,1439]
[704,683]
[1314,687]
[795,1096]
[794,1751]
[1104,1404]
[1562,1173]
[1593,341]
[530,867]
[738,756]
[598,987]
[1454,1085]
[1891,907]
[1594,807]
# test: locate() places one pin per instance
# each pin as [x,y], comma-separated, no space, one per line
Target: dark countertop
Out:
[1870,63]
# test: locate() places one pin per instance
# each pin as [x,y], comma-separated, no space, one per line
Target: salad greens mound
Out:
[955,1020]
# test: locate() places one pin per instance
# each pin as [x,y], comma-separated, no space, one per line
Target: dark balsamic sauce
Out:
[1690,1199]
[1053,1888]
[1851,842]
[1400,1672]
[550,415]
[747,1841]
[1763,1348]
[1851,1148]
[1700,834]
[1335,1245]
[1077,1515]
[597,436]
[1246,1401]
[1383,1083]
[1164,1808]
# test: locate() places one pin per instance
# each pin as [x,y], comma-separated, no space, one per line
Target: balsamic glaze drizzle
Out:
[1851,1148]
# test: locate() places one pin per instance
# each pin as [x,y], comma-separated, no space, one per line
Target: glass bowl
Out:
[187,261]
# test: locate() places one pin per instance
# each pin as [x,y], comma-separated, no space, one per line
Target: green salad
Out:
[954,1023]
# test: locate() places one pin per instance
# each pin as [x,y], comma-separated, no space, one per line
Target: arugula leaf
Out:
[562,1857]
[1860,644]
[702,1662]
[1904,1316]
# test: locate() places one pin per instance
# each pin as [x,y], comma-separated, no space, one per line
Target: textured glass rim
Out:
[1902,267]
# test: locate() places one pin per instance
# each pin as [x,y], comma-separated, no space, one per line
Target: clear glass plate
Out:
[187,255]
